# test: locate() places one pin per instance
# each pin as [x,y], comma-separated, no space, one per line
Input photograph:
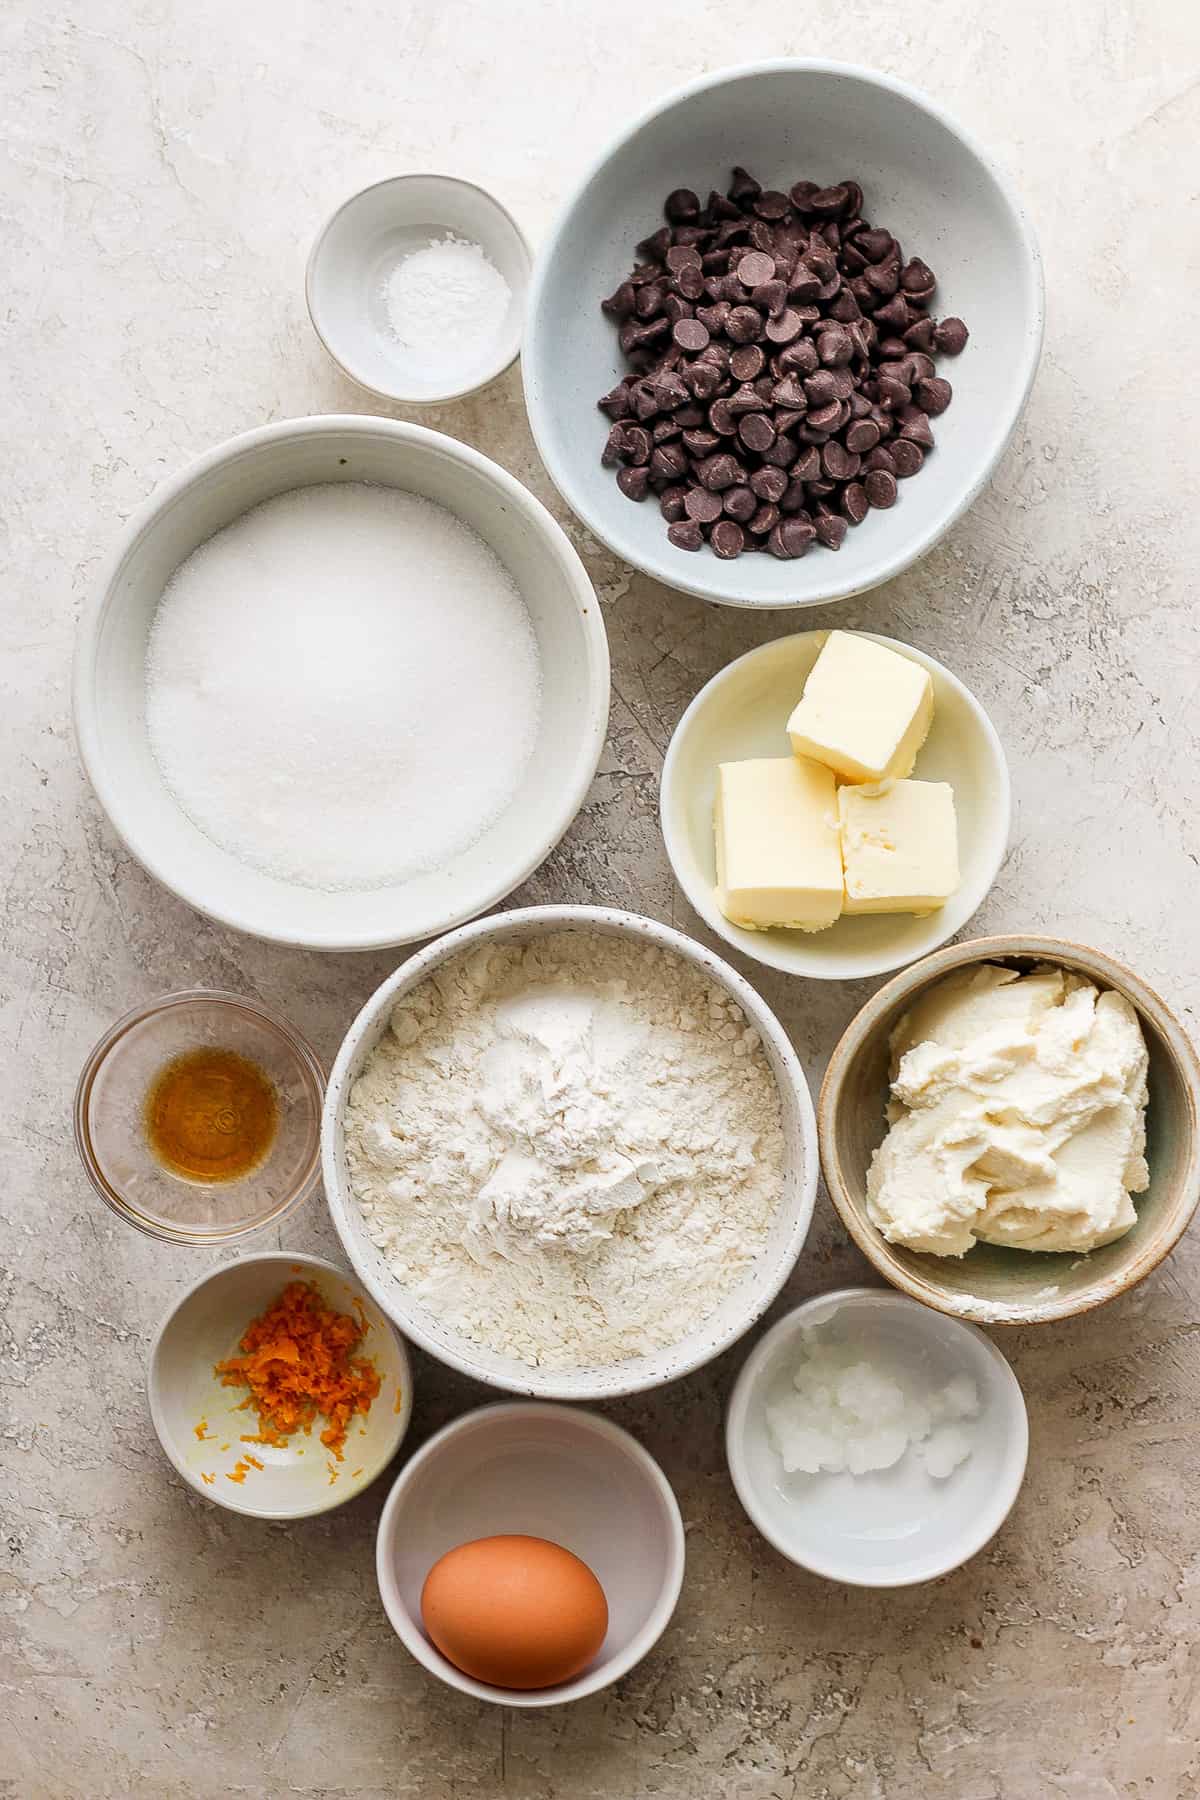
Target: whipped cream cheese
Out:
[1017,1116]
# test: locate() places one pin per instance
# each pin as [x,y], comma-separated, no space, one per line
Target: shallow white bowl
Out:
[109,682]
[737,1311]
[743,712]
[302,1477]
[925,179]
[544,1471]
[893,1526]
[358,246]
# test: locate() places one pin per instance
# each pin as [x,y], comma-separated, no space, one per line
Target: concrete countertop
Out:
[164,167]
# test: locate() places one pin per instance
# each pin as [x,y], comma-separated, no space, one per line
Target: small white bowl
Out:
[186,1398]
[925,178]
[552,1472]
[212,491]
[743,712]
[894,1526]
[736,1313]
[364,239]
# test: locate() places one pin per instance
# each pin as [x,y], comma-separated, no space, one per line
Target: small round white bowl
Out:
[362,241]
[736,1313]
[743,712]
[925,179]
[896,1526]
[212,491]
[552,1472]
[302,1477]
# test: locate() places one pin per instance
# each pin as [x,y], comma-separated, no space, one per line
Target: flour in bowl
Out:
[343,687]
[568,1150]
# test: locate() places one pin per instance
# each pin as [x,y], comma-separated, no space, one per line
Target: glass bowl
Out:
[110,1132]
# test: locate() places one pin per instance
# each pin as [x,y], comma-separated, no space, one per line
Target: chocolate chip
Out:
[691,281]
[838,463]
[880,458]
[786,327]
[855,504]
[790,539]
[920,335]
[769,483]
[933,395]
[830,529]
[670,462]
[754,268]
[721,418]
[950,336]
[634,483]
[690,334]
[744,324]
[781,455]
[747,362]
[727,539]
[880,488]
[907,458]
[893,314]
[786,417]
[719,472]
[765,519]
[616,402]
[893,394]
[740,502]
[799,359]
[756,431]
[834,347]
[700,443]
[681,205]
[702,505]
[685,535]
[863,435]
[918,279]
[808,465]
[829,201]
[743,187]
[884,277]
[824,418]
[920,367]
[620,305]
[670,504]
[771,204]
[917,430]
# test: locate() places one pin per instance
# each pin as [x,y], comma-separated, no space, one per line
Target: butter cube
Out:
[865,711]
[899,846]
[778,860]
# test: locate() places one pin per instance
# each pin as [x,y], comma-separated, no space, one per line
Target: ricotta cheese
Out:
[1017,1115]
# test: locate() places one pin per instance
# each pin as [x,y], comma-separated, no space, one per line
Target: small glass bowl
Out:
[110,1108]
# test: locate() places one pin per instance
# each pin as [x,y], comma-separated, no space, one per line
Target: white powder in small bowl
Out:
[446,303]
[343,687]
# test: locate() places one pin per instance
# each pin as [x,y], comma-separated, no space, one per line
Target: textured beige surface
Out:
[164,167]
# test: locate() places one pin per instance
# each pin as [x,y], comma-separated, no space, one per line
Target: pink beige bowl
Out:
[991,1284]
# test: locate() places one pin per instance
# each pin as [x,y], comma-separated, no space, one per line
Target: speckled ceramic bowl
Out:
[737,1312]
[993,1284]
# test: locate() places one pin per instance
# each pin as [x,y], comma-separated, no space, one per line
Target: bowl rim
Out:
[991,1518]
[99,1054]
[766,953]
[593,1680]
[577,589]
[919,975]
[689,579]
[612,1381]
[237,1502]
[510,348]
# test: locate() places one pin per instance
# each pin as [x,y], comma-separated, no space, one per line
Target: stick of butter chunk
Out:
[865,711]
[778,857]
[899,846]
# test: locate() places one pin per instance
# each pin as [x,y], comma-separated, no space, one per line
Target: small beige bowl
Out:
[992,1284]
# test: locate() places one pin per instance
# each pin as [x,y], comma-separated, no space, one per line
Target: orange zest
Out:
[297,1359]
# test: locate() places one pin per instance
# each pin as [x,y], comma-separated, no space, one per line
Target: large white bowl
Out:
[215,489]
[743,712]
[925,179]
[552,1472]
[753,1294]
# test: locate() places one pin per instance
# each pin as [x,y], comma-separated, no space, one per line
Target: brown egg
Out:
[518,1612]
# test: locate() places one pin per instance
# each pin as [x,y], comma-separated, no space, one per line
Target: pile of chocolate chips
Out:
[782,377]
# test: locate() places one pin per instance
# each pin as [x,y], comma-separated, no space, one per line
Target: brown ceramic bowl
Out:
[993,1284]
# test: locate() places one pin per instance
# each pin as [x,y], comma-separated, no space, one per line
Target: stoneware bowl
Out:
[738,1310]
[925,179]
[994,1284]
[109,684]
[199,1422]
[890,1527]
[356,249]
[553,1472]
[743,712]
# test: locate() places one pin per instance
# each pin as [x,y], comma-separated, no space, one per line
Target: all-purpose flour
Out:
[569,1150]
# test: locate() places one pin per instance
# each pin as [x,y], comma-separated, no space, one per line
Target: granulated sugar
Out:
[343,687]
